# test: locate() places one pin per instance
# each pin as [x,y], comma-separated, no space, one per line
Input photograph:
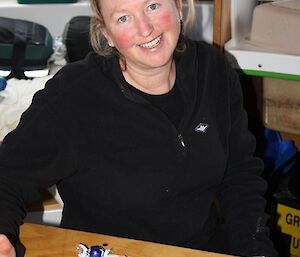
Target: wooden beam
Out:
[221,24]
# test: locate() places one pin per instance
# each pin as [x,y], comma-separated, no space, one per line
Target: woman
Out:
[146,138]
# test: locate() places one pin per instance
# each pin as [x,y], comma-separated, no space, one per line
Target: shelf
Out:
[252,59]
[256,61]
[52,16]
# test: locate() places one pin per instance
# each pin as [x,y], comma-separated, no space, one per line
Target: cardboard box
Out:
[275,26]
[281,105]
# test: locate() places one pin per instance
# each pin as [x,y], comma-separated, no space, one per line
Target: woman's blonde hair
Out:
[99,42]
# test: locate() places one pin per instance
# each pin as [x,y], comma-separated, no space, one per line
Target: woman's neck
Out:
[152,81]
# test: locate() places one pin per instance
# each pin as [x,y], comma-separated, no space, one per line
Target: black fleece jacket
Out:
[122,168]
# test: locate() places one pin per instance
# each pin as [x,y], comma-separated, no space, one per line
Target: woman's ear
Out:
[106,35]
[179,7]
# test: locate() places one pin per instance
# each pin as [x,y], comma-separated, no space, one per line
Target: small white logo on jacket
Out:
[202,127]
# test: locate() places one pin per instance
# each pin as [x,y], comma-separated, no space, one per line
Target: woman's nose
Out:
[145,26]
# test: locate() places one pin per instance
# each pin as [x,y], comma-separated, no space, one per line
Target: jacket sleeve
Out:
[32,157]
[241,198]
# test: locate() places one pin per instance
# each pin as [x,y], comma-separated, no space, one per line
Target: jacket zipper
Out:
[182,149]
[181,140]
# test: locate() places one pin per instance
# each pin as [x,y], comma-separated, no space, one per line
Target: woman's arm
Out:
[32,158]
[241,197]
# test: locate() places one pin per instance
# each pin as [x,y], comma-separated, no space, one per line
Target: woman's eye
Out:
[123,19]
[153,7]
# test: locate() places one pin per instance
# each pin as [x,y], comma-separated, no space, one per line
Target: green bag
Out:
[24,46]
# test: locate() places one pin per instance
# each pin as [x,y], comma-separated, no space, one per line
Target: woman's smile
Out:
[152,44]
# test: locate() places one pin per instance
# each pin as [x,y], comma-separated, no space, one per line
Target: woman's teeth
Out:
[151,44]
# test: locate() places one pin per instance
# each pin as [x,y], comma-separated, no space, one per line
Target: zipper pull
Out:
[181,140]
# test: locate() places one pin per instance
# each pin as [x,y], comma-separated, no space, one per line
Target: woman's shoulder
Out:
[75,78]
[82,72]
[203,57]
[204,51]
[83,69]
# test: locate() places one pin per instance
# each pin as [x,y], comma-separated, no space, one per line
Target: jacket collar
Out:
[181,61]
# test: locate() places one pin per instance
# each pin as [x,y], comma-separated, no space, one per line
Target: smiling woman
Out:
[145,35]
[99,41]
[145,138]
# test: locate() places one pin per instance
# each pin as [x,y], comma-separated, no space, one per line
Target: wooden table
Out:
[46,241]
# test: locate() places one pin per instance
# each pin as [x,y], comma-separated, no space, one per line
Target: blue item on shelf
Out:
[279,154]
[3,83]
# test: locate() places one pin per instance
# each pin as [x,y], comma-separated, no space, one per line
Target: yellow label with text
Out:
[289,223]
[288,220]
[295,247]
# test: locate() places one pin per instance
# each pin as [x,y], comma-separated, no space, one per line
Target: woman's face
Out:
[145,32]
